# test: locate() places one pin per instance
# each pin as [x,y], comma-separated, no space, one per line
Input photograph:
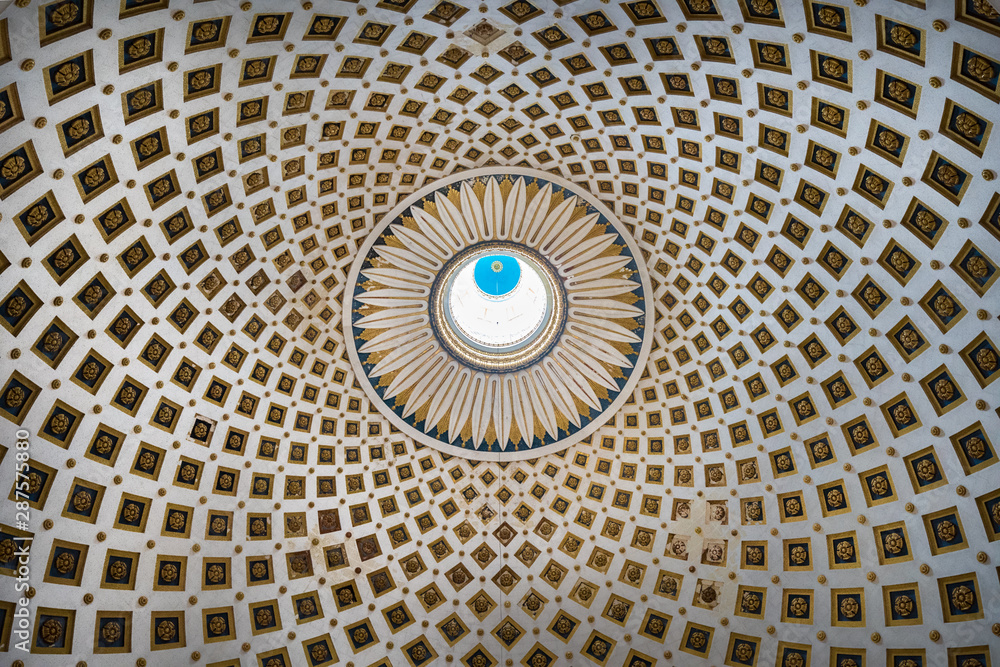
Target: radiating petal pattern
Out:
[595,354]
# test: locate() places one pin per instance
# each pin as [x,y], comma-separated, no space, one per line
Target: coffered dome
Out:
[255,415]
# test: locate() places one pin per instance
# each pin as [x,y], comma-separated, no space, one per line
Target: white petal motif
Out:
[476,409]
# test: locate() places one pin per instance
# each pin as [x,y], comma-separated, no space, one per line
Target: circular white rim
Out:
[504,322]
[507,455]
[497,360]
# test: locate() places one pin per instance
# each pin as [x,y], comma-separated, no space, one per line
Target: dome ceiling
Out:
[801,475]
